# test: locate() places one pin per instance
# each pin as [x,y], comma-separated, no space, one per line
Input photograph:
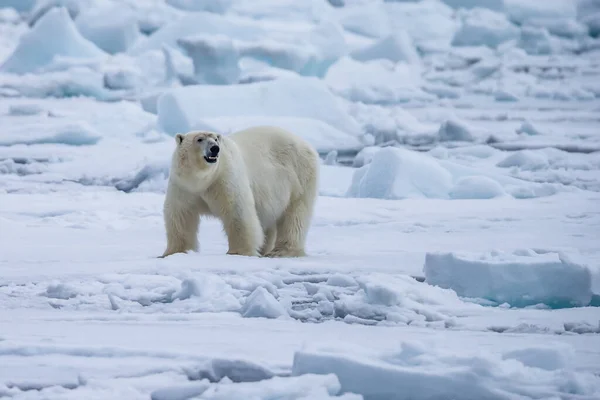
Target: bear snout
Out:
[214,150]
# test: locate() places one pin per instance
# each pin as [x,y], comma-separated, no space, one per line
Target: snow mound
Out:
[527,160]
[482,27]
[528,128]
[78,133]
[375,82]
[55,35]
[476,187]
[309,98]
[397,47]
[236,370]
[262,304]
[397,173]
[112,28]
[455,130]
[424,371]
[215,58]
[520,279]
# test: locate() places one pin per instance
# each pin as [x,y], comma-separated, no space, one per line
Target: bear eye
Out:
[199,140]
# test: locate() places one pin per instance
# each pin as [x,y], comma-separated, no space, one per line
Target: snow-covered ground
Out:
[455,248]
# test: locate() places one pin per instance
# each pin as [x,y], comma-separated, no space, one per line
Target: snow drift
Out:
[398,173]
[422,370]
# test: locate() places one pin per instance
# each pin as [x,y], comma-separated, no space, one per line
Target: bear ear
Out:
[178,138]
[219,136]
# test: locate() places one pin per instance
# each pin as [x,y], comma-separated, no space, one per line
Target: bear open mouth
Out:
[210,159]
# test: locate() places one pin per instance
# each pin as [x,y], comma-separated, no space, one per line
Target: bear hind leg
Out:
[291,230]
[270,236]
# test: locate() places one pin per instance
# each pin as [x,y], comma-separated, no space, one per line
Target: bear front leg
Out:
[244,234]
[181,222]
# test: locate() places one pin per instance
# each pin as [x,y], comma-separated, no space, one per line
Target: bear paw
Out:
[242,253]
[280,253]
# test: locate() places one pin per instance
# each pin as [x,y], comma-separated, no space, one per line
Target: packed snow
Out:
[453,252]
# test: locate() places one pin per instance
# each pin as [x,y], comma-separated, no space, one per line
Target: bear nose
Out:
[214,150]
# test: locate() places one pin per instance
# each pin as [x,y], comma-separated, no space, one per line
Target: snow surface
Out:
[454,247]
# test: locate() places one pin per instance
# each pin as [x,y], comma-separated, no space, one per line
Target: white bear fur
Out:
[262,187]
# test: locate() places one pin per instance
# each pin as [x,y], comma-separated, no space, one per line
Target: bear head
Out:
[197,154]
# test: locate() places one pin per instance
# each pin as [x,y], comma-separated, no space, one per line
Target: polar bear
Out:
[260,182]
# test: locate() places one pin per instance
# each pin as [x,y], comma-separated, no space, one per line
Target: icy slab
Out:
[112,27]
[425,370]
[520,279]
[476,187]
[262,304]
[397,47]
[178,109]
[215,58]
[482,27]
[54,35]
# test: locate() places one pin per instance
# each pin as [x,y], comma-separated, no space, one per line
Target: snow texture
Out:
[453,250]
